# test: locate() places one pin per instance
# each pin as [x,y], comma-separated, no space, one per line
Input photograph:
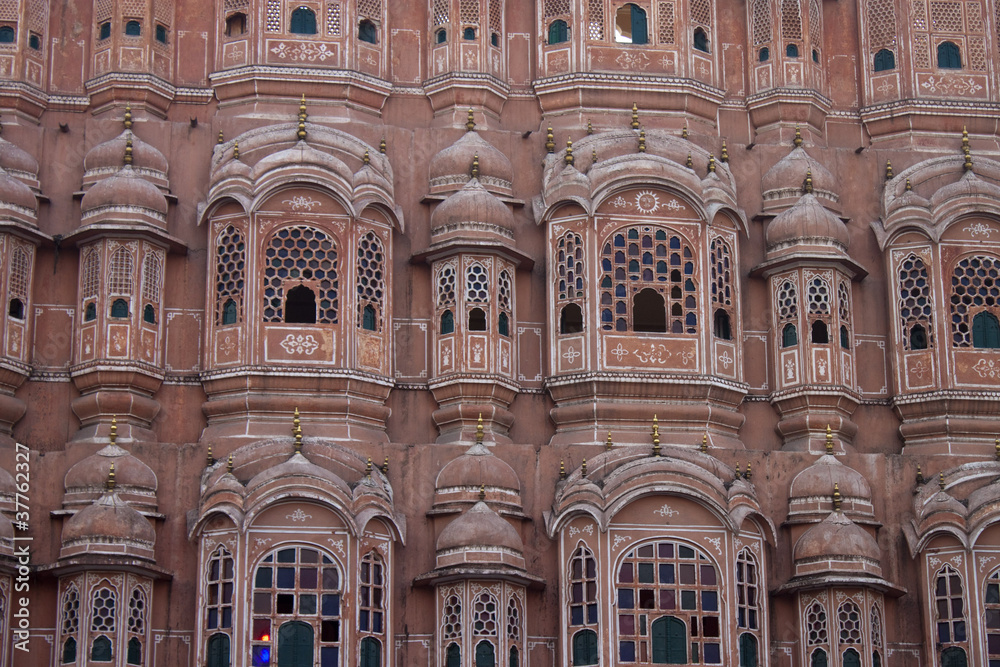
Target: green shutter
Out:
[295,645]
[669,641]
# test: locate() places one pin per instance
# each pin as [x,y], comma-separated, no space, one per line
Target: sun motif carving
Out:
[647,202]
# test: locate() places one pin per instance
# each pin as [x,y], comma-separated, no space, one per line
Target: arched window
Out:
[447,322]
[514,661]
[748,650]
[371,652]
[649,313]
[477,319]
[816,631]
[441,36]
[136,625]
[764,55]
[583,589]
[371,615]
[16,309]
[918,338]
[849,624]
[953,656]
[585,648]
[885,60]
[453,655]
[992,617]
[469,34]
[949,56]
[680,583]
[161,34]
[789,336]
[229,312]
[721,326]
[818,658]
[70,623]
[819,333]
[303,22]
[950,607]
[701,40]
[630,25]
[69,651]
[119,308]
[845,338]
[236,25]
[558,32]
[571,319]
[300,305]
[301,253]
[485,654]
[368,318]
[90,312]
[367,32]
[103,31]
[133,29]
[815,56]
[149,314]
[494,40]
[504,292]
[792,51]
[296,608]
[134,652]
[503,324]
[34,42]
[985,330]
[7,34]
[748,590]
[219,592]
[101,650]
[975,286]
[218,650]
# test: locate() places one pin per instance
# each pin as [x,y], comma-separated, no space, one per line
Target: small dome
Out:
[107,157]
[17,160]
[837,538]
[92,472]
[110,519]
[302,155]
[14,192]
[479,527]
[449,169]
[301,467]
[807,222]
[478,467]
[790,173]
[820,478]
[471,205]
[126,188]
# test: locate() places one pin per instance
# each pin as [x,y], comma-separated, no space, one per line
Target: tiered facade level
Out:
[468,333]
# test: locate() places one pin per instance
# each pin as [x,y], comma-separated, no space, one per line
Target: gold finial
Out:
[236,150]
[111,477]
[474,170]
[550,141]
[684,131]
[996,448]
[608,444]
[798,137]
[222,139]
[366,158]
[470,122]
[562,469]
[128,149]
[704,443]
[381,146]
[739,473]
[689,163]
[836,497]
[583,467]
[482,492]
[128,116]
[642,141]
[656,436]
[301,134]
[909,186]
[829,440]
[590,127]
[229,464]
[635,116]
[368,467]
[113,435]
[967,166]
[209,459]
[747,475]
[593,156]
[297,430]
[711,163]
[941,481]
[888,170]
[569,152]
[725,152]
[807,185]
[479,428]
[385,466]
[920,475]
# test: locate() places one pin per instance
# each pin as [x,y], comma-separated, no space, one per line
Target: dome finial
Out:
[635,116]
[836,497]
[385,466]
[909,186]
[110,484]
[229,465]
[593,156]
[807,185]
[128,149]
[711,163]
[829,440]
[798,137]
[704,443]
[562,469]
[368,468]
[747,475]
[689,163]
[222,138]
[569,152]
[128,117]
[920,475]
[608,444]
[888,170]
[474,171]
[479,428]
[967,166]
[366,159]
[642,141]
[550,141]
[996,448]
[583,467]
[381,146]
[684,131]
[656,436]
[113,435]
[297,430]
[482,492]
[301,134]
[590,127]
[725,152]
[941,481]
[739,473]
[209,459]
[470,123]
[236,150]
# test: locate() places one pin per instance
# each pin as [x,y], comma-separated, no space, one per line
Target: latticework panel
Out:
[102,10]
[446,286]
[788,302]
[468,11]
[496,15]
[38,14]
[553,8]
[844,302]
[484,615]
[570,266]
[163,11]
[451,618]
[370,9]
[441,12]
[816,631]
[71,611]
[762,24]
[791,19]
[333,20]
[975,285]
[230,258]
[371,275]
[721,266]
[818,296]
[301,253]
[918,11]
[477,284]
[504,291]
[665,23]
[513,619]
[10,9]
[921,51]
[974,18]
[90,274]
[20,272]
[977,53]
[876,631]
[236,6]
[137,611]
[701,12]
[882,29]
[120,271]
[849,623]
[595,20]
[947,17]
[815,24]
[103,610]
[272,16]
[152,270]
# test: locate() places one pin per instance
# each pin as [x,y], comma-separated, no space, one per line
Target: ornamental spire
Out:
[550,142]
[113,435]
[829,440]
[470,122]
[797,141]
[569,152]
[704,443]
[725,152]
[128,149]
[297,430]
[128,117]
[110,484]
[479,428]
[656,436]
[836,497]
[301,134]
[608,444]
[635,116]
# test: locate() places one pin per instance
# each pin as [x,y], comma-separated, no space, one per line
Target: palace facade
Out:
[467,333]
